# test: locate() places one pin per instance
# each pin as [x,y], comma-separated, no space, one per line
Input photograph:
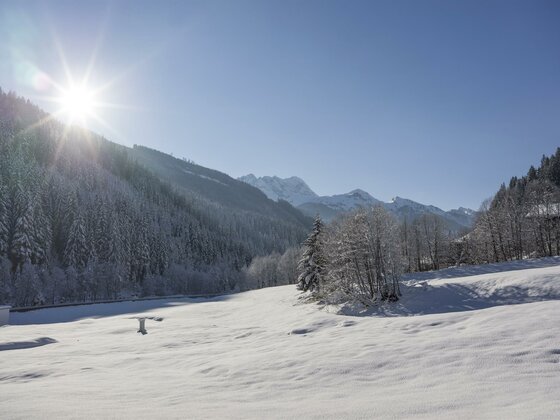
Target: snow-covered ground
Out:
[457,346]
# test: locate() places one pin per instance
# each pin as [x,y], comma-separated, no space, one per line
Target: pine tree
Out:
[27,286]
[532,174]
[76,252]
[22,245]
[312,263]
[42,235]
[141,256]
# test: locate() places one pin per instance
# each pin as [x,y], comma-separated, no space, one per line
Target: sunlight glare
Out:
[78,103]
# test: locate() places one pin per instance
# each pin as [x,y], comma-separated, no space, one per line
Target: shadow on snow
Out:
[448,298]
[18,345]
[475,270]
[101,310]
[422,298]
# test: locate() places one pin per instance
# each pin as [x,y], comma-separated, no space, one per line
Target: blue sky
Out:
[437,101]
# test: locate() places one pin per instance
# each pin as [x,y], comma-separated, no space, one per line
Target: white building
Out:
[4,315]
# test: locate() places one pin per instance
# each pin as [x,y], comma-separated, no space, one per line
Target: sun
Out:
[77,103]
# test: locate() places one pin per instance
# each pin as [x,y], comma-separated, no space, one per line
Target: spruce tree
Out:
[42,235]
[76,253]
[22,245]
[27,286]
[312,263]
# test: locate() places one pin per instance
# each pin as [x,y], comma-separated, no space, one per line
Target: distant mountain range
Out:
[295,191]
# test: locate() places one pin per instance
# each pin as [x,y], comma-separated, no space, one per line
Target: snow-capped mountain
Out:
[348,201]
[293,189]
[297,192]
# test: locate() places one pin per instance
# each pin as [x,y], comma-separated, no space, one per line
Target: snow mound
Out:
[472,287]
[483,346]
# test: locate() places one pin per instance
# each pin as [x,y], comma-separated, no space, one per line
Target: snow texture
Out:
[476,342]
[293,189]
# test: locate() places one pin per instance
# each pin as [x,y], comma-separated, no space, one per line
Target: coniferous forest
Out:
[81,218]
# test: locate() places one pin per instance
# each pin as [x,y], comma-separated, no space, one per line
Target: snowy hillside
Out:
[297,192]
[474,342]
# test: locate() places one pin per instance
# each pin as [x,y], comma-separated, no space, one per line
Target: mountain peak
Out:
[359,193]
[247,177]
[467,211]
[293,189]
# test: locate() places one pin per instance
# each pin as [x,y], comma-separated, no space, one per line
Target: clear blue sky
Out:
[437,101]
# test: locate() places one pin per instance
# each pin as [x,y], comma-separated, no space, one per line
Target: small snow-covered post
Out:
[142,328]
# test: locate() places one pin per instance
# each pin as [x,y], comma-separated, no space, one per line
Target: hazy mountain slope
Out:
[483,346]
[216,186]
[462,216]
[312,209]
[455,220]
[330,206]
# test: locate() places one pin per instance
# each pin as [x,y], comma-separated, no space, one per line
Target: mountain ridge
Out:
[331,206]
[293,189]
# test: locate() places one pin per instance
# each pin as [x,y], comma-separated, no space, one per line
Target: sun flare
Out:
[78,103]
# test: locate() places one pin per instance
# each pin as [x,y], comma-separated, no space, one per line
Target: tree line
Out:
[522,220]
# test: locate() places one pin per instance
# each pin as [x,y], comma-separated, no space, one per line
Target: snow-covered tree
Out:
[42,234]
[364,257]
[288,266]
[22,245]
[312,263]
[27,286]
[263,272]
[76,252]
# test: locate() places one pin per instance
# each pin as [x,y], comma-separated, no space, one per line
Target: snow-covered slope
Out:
[263,354]
[349,201]
[455,219]
[462,216]
[399,203]
[293,190]
[297,192]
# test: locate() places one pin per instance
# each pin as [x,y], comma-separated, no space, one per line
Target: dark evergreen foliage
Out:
[312,263]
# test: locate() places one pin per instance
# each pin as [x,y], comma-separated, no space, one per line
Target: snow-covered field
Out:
[455,347]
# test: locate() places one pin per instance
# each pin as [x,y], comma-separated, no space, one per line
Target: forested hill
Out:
[215,186]
[82,218]
[523,218]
